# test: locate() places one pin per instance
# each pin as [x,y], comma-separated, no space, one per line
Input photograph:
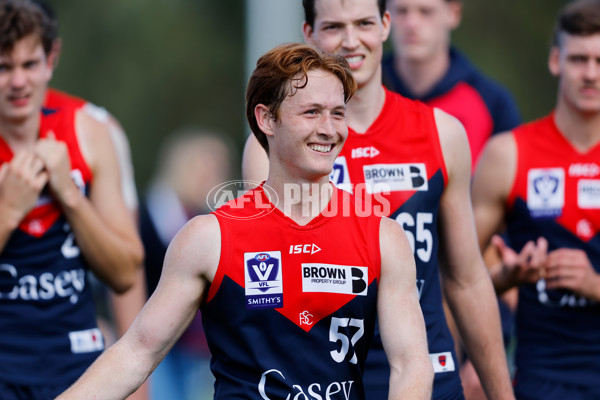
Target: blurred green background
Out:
[159,65]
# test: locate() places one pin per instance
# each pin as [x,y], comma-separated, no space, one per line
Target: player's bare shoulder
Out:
[94,139]
[394,245]
[501,148]
[197,247]
[497,167]
[453,140]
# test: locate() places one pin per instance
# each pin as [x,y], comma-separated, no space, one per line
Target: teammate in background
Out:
[416,157]
[424,66]
[191,163]
[115,311]
[125,305]
[542,180]
[267,310]
[62,212]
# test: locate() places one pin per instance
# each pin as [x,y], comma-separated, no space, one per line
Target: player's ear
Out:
[554,61]
[308,32]
[55,52]
[455,8]
[264,119]
[386,22]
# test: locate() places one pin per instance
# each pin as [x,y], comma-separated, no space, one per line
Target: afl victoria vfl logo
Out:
[263,280]
[545,192]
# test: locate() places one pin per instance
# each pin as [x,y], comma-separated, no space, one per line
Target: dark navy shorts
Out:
[9,391]
[535,388]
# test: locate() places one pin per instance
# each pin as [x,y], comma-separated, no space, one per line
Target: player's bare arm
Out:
[103,226]
[491,187]
[465,279]
[404,339]
[127,305]
[190,265]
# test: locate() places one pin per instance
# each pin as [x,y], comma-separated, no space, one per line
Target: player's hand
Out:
[471,384]
[55,155]
[526,267]
[571,269]
[21,182]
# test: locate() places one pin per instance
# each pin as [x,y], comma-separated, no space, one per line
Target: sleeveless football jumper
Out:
[556,194]
[291,310]
[49,334]
[397,164]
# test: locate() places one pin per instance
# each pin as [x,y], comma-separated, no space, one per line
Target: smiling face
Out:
[353,29]
[310,129]
[24,75]
[577,65]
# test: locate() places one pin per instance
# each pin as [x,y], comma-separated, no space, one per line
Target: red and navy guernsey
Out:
[556,194]
[398,166]
[49,334]
[291,310]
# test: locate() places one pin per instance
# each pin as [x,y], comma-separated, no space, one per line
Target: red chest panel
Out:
[306,273]
[556,180]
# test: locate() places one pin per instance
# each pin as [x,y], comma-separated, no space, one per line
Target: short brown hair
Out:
[281,71]
[579,18]
[20,18]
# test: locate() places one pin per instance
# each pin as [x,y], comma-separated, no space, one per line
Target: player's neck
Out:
[302,200]
[365,106]
[420,76]
[582,130]
[20,134]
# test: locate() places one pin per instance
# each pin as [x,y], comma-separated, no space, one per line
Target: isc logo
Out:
[304,248]
[589,170]
[364,152]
